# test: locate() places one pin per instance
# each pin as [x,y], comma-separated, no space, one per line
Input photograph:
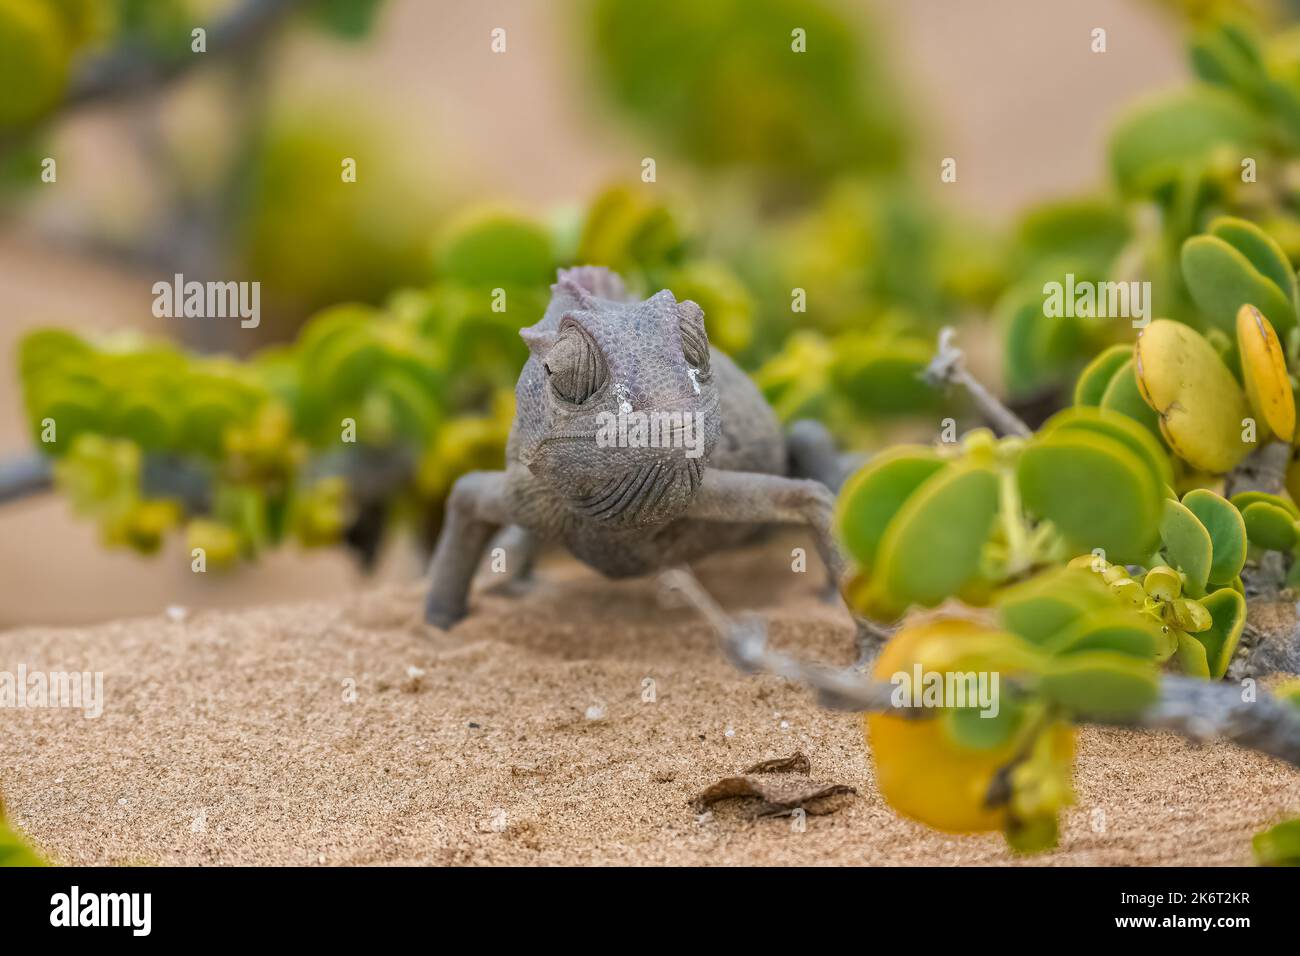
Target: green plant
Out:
[14,850]
[1279,845]
[361,411]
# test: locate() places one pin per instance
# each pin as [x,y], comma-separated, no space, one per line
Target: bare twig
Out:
[744,643]
[948,367]
[126,72]
[1203,710]
[1197,709]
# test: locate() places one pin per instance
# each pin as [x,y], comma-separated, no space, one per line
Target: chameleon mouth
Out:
[648,495]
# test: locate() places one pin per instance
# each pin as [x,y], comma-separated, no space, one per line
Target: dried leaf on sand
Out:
[775,787]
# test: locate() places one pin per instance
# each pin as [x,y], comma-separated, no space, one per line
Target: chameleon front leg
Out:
[475,511]
[753,497]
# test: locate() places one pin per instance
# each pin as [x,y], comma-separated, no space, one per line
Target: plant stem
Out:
[1019,553]
[948,368]
[1197,709]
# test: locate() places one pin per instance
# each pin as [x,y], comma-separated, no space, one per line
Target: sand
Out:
[524,737]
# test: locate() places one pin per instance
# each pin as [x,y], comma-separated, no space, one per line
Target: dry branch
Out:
[948,367]
[127,72]
[1197,709]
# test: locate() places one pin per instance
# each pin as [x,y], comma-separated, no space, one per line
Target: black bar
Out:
[335,905]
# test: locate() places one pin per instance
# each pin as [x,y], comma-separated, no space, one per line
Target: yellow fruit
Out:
[1263,366]
[920,771]
[1200,404]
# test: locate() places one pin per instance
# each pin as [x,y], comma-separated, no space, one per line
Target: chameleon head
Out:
[631,409]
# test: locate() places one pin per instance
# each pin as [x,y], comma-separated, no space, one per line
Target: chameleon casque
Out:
[721,470]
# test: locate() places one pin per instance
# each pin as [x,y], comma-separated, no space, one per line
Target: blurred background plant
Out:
[796,196]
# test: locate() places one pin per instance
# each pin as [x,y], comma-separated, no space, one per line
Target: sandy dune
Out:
[523,738]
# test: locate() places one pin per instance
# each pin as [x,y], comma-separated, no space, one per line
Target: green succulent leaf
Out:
[972,729]
[1269,526]
[1093,380]
[349,19]
[1279,845]
[1244,499]
[1123,395]
[1039,349]
[1227,533]
[1043,606]
[1120,427]
[1261,249]
[882,375]
[45,349]
[14,850]
[1100,683]
[1228,609]
[1222,278]
[1155,145]
[75,408]
[1035,835]
[1192,657]
[1097,493]
[1115,629]
[871,498]
[1226,55]
[1083,236]
[495,248]
[950,514]
[1188,543]
[628,232]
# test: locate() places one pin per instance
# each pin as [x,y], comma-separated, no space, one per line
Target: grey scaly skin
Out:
[629,511]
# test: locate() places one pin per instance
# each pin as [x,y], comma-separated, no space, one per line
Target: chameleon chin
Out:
[696,461]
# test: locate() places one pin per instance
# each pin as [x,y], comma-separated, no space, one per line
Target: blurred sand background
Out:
[1009,86]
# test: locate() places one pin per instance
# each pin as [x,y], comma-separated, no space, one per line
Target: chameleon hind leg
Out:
[476,511]
[811,452]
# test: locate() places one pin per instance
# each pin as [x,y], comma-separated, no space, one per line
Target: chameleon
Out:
[637,446]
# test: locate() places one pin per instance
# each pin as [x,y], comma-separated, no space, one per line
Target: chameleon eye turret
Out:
[575,367]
